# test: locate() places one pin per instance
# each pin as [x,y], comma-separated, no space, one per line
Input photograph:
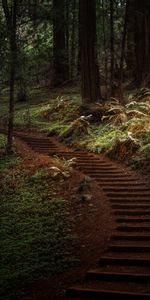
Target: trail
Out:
[123,271]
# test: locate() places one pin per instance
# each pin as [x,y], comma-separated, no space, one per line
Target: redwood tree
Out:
[90,87]
[138,33]
[60,59]
[10,15]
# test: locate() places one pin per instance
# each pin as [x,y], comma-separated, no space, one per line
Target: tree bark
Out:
[138,58]
[11,25]
[60,62]
[90,87]
[112,45]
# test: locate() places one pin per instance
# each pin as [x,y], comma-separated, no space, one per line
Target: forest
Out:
[75,149]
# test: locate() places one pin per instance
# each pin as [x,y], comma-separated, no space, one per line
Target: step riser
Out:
[136,206]
[132,213]
[124,262]
[118,277]
[116,201]
[127,195]
[132,220]
[129,249]
[133,229]
[130,238]
[103,295]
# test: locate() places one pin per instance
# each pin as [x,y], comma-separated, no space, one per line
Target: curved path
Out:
[123,272]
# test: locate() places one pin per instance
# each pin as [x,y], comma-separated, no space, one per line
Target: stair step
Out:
[133,220]
[129,201]
[129,248]
[119,276]
[132,261]
[130,206]
[131,237]
[110,177]
[133,228]
[119,184]
[131,194]
[122,180]
[96,168]
[123,189]
[131,212]
[96,164]
[102,294]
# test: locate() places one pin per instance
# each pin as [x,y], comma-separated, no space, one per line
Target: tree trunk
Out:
[11,24]
[112,46]
[90,87]
[72,63]
[60,62]
[105,47]
[138,58]
[123,47]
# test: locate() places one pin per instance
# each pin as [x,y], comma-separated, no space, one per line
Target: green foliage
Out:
[35,230]
[63,167]
[145,151]
[3,141]
[101,138]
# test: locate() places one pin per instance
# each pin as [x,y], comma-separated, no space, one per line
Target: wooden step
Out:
[129,248]
[131,237]
[119,276]
[124,194]
[122,260]
[133,220]
[136,189]
[102,294]
[133,228]
[131,206]
[131,212]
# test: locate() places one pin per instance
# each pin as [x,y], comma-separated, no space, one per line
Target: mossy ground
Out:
[36,239]
[53,111]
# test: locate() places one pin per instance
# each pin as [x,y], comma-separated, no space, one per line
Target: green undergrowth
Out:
[3,141]
[101,138]
[53,111]
[7,161]
[35,230]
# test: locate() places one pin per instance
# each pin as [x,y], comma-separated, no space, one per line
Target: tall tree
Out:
[90,88]
[10,15]
[123,46]
[138,58]
[112,45]
[60,59]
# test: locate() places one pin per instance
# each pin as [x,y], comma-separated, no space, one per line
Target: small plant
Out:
[78,127]
[3,141]
[124,148]
[84,189]
[63,167]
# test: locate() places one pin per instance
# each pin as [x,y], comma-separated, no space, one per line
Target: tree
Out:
[10,15]
[90,88]
[138,46]
[112,45]
[60,59]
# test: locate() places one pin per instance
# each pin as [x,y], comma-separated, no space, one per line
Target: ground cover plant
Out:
[35,228]
[116,123]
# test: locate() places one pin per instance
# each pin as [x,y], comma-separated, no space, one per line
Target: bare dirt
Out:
[91,222]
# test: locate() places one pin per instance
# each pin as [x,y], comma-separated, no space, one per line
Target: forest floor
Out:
[87,223]
[24,177]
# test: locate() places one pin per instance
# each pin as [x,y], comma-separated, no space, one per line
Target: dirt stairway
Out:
[123,272]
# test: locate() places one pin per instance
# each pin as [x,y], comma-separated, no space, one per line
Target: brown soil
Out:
[92,225]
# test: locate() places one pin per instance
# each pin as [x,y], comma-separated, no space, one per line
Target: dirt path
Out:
[123,270]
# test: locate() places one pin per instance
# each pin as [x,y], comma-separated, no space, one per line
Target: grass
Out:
[49,111]
[6,161]
[3,141]
[35,231]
